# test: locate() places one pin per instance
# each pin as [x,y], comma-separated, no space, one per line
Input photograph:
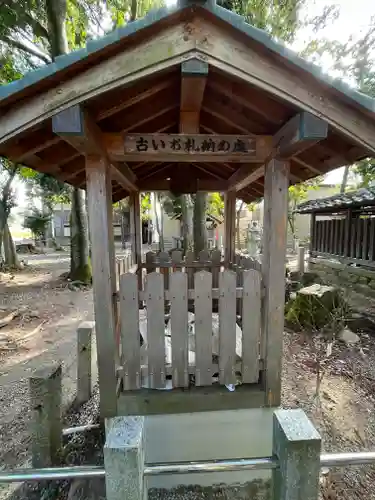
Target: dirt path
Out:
[51,315]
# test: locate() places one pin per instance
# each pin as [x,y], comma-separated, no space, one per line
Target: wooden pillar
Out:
[273,271]
[102,256]
[229,226]
[135,227]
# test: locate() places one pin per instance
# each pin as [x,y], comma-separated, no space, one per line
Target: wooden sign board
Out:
[194,147]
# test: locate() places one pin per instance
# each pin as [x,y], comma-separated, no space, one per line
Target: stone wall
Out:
[332,272]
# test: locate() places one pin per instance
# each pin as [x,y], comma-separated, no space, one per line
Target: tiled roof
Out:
[351,199]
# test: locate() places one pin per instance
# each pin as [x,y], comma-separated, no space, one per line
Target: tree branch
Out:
[25,48]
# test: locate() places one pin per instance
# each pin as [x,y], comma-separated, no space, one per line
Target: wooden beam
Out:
[193,83]
[78,129]
[30,146]
[200,185]
[138,61]
[273,271]
[101,234]
[299,133]
[183,148]
[138,96]
[244,176]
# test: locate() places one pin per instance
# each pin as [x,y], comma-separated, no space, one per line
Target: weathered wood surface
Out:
[251,324]
[179,329]
[203,327]
[155,329]
[131,360]
[190,145]
[200,344]
[273,274]
[227,327]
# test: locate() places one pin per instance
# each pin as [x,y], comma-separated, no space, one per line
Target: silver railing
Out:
[89,471]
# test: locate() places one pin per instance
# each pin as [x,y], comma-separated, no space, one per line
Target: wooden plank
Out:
[191,293]
[273,271]
[192,187]
[229,225]
[149,402]
[131,358]
[193,83]
[244,176]
[358,238]
[141,60]
[331,230]
[372,240]
[75,126]
[237,58]
[98,190]
[188,147]
[298,134]
[313,233]
[227,327]
[179,329]
[365,249]
[203,328]
[155,330]
[251,324]
[341,237]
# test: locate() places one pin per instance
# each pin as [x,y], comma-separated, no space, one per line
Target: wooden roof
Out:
[130,82]
[358,199]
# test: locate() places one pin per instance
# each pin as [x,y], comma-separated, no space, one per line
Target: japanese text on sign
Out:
[189,144]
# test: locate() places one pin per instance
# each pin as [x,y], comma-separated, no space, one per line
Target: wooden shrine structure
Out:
[187,99]
[343,227]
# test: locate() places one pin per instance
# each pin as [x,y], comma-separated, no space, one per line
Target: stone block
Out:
[297,445]
[124,458]
[46,427]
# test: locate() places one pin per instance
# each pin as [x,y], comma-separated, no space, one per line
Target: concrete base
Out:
[206,436]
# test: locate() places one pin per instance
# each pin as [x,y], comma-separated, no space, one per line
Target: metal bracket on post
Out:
[296,444]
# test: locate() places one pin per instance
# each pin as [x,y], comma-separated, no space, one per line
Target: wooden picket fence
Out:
[181,364]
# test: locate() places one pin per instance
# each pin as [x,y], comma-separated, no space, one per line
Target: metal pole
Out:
[79,428]
[210,466]
[344,459]
[54,473]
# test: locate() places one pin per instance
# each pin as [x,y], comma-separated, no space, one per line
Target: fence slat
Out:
[155,329]
[216,259]
[352,237]
[365,239]
[358,252]
[129,315]
[179,329]
[251,326]
[203,328]
[340,250]
[227,327]
[372,240]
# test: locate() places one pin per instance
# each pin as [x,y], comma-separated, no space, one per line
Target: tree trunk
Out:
[200,226]
[10,254]
[80,267]
[56,18]
[344,179]
[187,210]
[133,11]
[5,205]
[238,217]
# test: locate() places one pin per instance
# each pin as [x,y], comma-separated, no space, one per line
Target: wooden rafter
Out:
[77,128]
[136,97]
[298,134]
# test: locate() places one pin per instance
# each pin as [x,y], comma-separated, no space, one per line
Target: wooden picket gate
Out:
[147,366]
